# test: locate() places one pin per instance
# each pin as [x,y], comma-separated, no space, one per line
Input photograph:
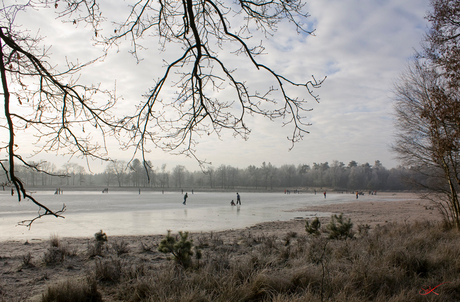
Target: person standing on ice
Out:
[238,199]
[185,198]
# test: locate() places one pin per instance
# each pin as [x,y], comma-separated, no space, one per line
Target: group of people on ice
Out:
[238,199]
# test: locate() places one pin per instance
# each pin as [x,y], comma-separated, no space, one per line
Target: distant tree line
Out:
[336,175]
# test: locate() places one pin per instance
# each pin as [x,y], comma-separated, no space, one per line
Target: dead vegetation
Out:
[394,262]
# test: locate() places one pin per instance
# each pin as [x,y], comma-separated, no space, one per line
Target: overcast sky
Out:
[362,46]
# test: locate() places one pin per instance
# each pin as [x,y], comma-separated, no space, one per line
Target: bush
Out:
[288,237]
[54,255]
[391,263]
[145,247]
[110,270]
[54,240]
[338,228]
[27,260]
[72,291]
[363,229]
[181,249]
[101,239]
[313,228]
[120,247]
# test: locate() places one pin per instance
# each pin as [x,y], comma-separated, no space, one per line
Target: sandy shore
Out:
[411,208]
[22,282]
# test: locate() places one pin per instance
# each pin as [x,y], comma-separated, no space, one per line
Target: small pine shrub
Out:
[100,236]
[338,228]
[181,250]
[101,239]
[313,228]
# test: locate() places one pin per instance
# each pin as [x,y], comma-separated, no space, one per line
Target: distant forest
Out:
[337,175]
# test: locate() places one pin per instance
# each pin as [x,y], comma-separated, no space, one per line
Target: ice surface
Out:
[131,213]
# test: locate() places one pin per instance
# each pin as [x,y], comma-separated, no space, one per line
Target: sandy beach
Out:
[410,209]
[25,276]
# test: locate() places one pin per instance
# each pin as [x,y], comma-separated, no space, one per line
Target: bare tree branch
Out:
[197,26]
[53,106]
[210,94]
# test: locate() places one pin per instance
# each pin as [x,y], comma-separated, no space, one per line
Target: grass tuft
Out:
[109,270]
[72,291]
[120,247]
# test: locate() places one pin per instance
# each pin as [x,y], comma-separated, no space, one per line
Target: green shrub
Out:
[101,239]
[180,249]
[338,228]
[313,228]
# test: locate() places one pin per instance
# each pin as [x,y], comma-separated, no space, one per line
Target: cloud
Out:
[361,46]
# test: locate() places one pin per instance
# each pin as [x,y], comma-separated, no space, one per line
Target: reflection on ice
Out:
[130,213]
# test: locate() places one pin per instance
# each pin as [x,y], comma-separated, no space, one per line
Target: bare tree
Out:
[428,111]
[109,175]
[287,175]
[210,173]
[118,168]
[203,28]
[135,169]
[80,171]
[255,174]
[442,43]
[222,175]
[42,100]
[46,178]
[178,175]
[428,140]
[164,177]
[66,115]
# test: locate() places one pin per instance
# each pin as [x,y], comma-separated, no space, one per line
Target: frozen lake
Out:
[131,213]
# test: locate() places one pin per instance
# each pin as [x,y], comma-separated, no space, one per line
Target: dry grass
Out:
[394,262]
[73,291]
[120,247]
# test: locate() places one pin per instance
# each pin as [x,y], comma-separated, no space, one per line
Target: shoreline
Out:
[387,207]
[151,214]
[396,208]
[31,280]
[378,212]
